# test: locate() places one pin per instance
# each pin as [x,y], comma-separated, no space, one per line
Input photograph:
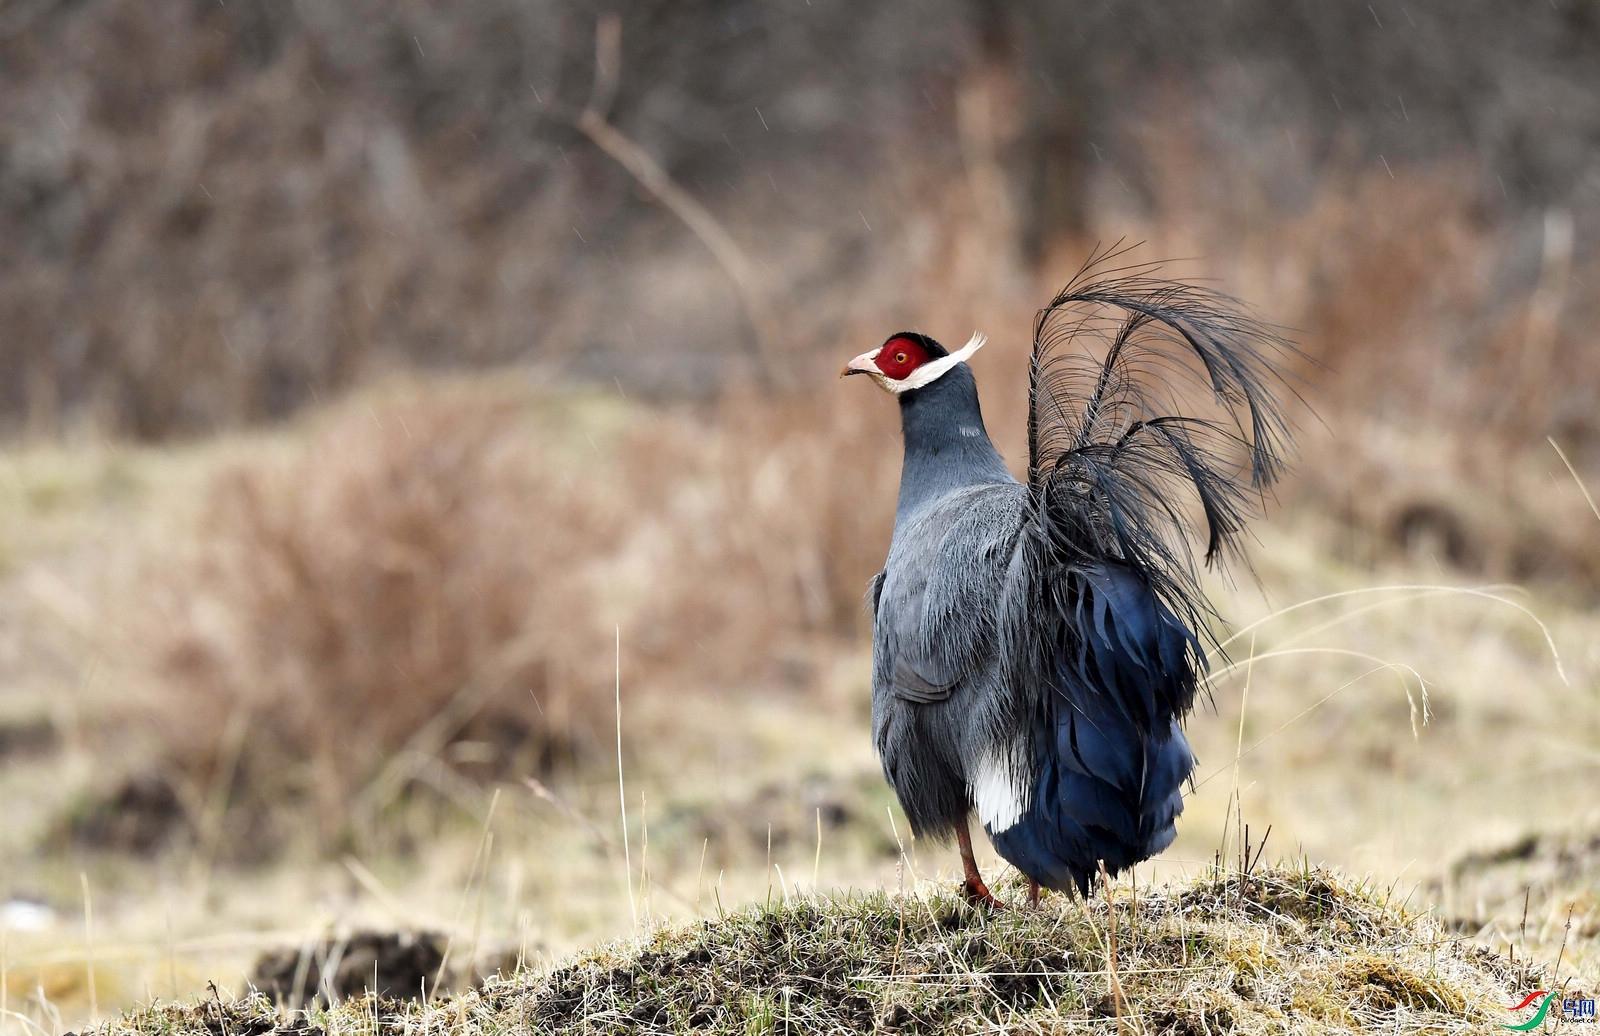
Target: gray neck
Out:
[947,447]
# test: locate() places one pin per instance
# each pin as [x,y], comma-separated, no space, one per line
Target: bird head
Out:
[909,361]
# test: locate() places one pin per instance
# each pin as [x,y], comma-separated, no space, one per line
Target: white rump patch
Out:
[1000,789]
[931,371]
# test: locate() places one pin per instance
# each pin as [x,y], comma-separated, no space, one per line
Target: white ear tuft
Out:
[976,342]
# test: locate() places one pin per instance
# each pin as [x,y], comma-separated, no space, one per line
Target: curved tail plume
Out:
[1154,424]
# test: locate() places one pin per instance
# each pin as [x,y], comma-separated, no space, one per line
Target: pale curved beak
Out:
[860,365]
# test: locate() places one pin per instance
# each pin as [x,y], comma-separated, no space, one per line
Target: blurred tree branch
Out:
[592,122]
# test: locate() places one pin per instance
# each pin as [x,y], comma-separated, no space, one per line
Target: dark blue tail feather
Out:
[1109,777]
[1079,818]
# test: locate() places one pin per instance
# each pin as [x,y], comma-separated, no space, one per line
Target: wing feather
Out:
[938,610]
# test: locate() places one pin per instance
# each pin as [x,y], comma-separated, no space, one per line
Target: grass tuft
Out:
[1305,949]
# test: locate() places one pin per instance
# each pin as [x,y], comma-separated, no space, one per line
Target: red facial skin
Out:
[899,357]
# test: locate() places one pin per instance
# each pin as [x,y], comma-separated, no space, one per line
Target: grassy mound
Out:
[1282,950]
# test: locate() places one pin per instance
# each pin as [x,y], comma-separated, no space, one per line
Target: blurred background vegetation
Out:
[368,366]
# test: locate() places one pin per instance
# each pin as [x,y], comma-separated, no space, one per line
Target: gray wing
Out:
[905,681]
[935,601]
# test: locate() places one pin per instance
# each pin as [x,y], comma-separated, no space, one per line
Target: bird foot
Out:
[978,895]
[1033,895]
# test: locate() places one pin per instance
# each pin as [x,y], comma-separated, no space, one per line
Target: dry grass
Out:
[437,575]
[1275,951]
[408,579]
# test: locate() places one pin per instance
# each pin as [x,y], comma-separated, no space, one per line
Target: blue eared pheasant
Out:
[1037,645]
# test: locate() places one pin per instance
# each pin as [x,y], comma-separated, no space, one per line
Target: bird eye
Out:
[900,357]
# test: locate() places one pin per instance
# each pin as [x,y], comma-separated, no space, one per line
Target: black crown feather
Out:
[935,350]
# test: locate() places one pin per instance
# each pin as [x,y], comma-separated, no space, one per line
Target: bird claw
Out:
[978,895]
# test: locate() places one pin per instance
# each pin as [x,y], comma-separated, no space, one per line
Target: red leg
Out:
[1033,894]
[978,893]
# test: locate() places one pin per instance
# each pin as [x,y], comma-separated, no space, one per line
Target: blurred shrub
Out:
[427,590]
[1442,373]
[763,526]
[415,568]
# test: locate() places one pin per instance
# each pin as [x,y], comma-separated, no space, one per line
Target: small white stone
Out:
[21,915]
